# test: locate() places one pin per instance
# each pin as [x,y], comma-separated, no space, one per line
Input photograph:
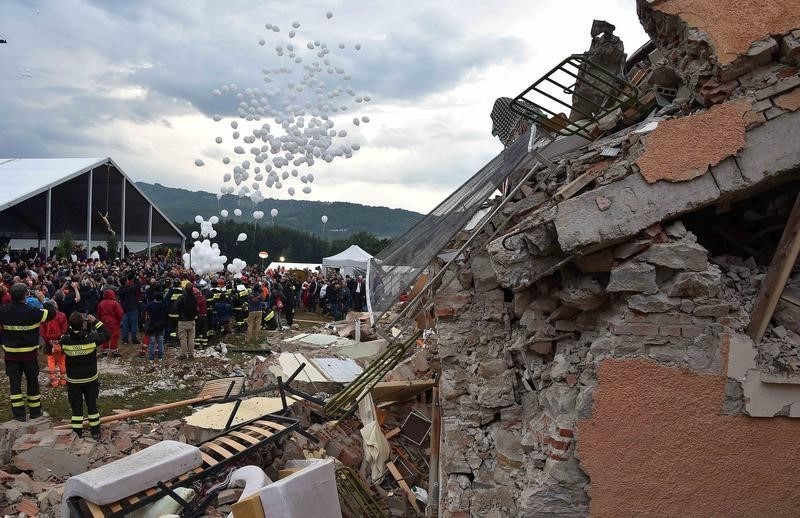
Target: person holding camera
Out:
[80,347]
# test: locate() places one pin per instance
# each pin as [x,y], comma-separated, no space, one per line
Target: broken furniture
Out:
[215,454]
[309,490]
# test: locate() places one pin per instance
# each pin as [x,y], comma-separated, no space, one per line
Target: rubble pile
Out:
[38,459]
[646,243]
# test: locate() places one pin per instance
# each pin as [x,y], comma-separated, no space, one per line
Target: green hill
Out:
[344,219]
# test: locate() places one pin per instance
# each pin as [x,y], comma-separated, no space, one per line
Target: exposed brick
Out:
[691,331]
[669,330]
[640,329]
[760,106]
[560,445]
[557,457]
[566,432]
[789,101]
[774,112]
[777,88]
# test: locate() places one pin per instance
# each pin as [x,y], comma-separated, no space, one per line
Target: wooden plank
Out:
[217,449]
[259,431]
[249,438]
[412,499]
[276,426]
[115,507]
[208,459]
[779,270]
[230,442]
[399,390]
[94,509]
[588,176]
[791,300]
[391,433]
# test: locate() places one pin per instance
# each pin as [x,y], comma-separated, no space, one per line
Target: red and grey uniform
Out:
[80,349]
[20,324]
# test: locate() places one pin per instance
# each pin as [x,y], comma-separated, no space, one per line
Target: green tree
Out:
[112,245]
[65,246]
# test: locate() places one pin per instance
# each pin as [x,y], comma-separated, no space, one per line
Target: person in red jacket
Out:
[51,332]
[110,312]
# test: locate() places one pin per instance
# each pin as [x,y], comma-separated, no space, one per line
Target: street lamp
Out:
[263,255]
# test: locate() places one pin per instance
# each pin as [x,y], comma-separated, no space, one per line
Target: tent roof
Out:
[24,178]
[353,256]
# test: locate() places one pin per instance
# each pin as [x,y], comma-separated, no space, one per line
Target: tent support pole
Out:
[122,229]
[89,213]
[149,231]
[49,216]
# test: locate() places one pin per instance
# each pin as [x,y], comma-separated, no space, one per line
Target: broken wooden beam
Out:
[778,273]
[412,498]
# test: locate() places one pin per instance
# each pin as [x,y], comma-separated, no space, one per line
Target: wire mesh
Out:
[395,268]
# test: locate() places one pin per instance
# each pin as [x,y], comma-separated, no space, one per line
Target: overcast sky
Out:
[133,81]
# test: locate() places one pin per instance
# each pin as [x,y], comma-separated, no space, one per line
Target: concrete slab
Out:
[289,362]
[338,370]
[132,474]
[359,350]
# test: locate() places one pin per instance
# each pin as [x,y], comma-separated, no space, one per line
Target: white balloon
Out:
[241,237]
[214,220]
[218,140]
[324,219]
[217,118]
[290,190]
[307,190]
[195,234]
[258,214]
[199,163]
[237,212]
[329,15]
[226,160]
[296,25]
[262,42]
[198,219]
[273,212]
[223,213]
[358,46]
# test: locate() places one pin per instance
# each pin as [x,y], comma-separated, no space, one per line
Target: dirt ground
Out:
[132,382]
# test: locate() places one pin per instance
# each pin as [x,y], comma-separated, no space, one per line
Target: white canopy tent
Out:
[348,260]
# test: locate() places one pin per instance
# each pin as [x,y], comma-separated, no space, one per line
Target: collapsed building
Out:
[617,334]
[622,337]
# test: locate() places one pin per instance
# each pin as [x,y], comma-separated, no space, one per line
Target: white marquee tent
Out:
[348,260]
[41,198]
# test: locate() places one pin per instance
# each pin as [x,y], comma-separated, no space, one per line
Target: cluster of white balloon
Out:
[205,257]
[302,107]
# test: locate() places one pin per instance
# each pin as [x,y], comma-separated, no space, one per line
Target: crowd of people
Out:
[84,307]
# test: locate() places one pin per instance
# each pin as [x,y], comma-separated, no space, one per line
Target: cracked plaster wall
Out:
[656,445]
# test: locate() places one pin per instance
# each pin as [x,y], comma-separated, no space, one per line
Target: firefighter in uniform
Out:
[240,308]
[80,347]
[20,324]
[173,294]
